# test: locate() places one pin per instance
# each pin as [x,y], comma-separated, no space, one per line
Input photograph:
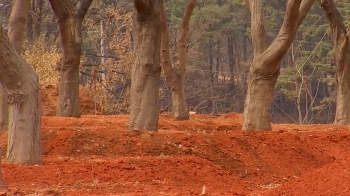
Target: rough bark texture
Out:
[340,37]
[16,31]
[70,20]
[145,71]
[265,68]
[21,87]
[176,80]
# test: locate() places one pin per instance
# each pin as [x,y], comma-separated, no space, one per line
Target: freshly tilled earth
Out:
[207,155]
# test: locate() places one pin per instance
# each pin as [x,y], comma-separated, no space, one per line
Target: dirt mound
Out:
[49,96]
[95,155]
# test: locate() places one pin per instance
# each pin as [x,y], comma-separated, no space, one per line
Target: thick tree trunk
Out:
[257,108]
[265,67]
[176,80]
[145,71]
[70,20]
[68,86]
[16,32]
[341,38]
[21,86]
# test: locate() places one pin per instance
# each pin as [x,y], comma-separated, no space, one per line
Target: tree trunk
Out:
[4,110]
[38,10]
[70,20]
[49,30]
[245,42]
[341,38]
[29,25]
[265,68]
[211,62]
[211,75]
[17,23]
[231,60]
[2,184]
[218,61]
[104,46]
[16,31]
[176,80]
[21,86]
[180,111]
[145,71]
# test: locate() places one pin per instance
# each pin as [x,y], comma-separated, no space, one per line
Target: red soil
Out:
[49,93]
[95,155]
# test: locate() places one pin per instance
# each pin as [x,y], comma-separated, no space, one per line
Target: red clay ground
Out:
[95,155]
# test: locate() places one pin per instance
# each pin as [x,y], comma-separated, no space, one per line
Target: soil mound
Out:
[49,97]
[207,155]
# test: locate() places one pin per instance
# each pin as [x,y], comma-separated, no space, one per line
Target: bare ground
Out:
[207,155]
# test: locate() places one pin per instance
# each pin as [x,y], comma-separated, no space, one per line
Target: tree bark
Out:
[2,184]
[231,61]
[340,37]
[176,80]
[16,33]
[218,61]
[145,71]
[17,23]
[4,111]
[70,20]
[21,87]
[265,67]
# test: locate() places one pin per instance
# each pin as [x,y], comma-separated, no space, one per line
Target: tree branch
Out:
[304,9]
[182,43]
[287,32]
[340,36]
[82,7]
[60,11]
[169,73]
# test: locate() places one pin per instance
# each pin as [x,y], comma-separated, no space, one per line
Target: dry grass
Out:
[44,60]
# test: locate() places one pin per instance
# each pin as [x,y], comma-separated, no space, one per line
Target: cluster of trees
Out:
[269,62]
[265,65]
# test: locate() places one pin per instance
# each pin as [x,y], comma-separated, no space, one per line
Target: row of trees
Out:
[265,66]
[154,37]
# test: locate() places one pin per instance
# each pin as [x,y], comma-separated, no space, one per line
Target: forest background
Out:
[219,55]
